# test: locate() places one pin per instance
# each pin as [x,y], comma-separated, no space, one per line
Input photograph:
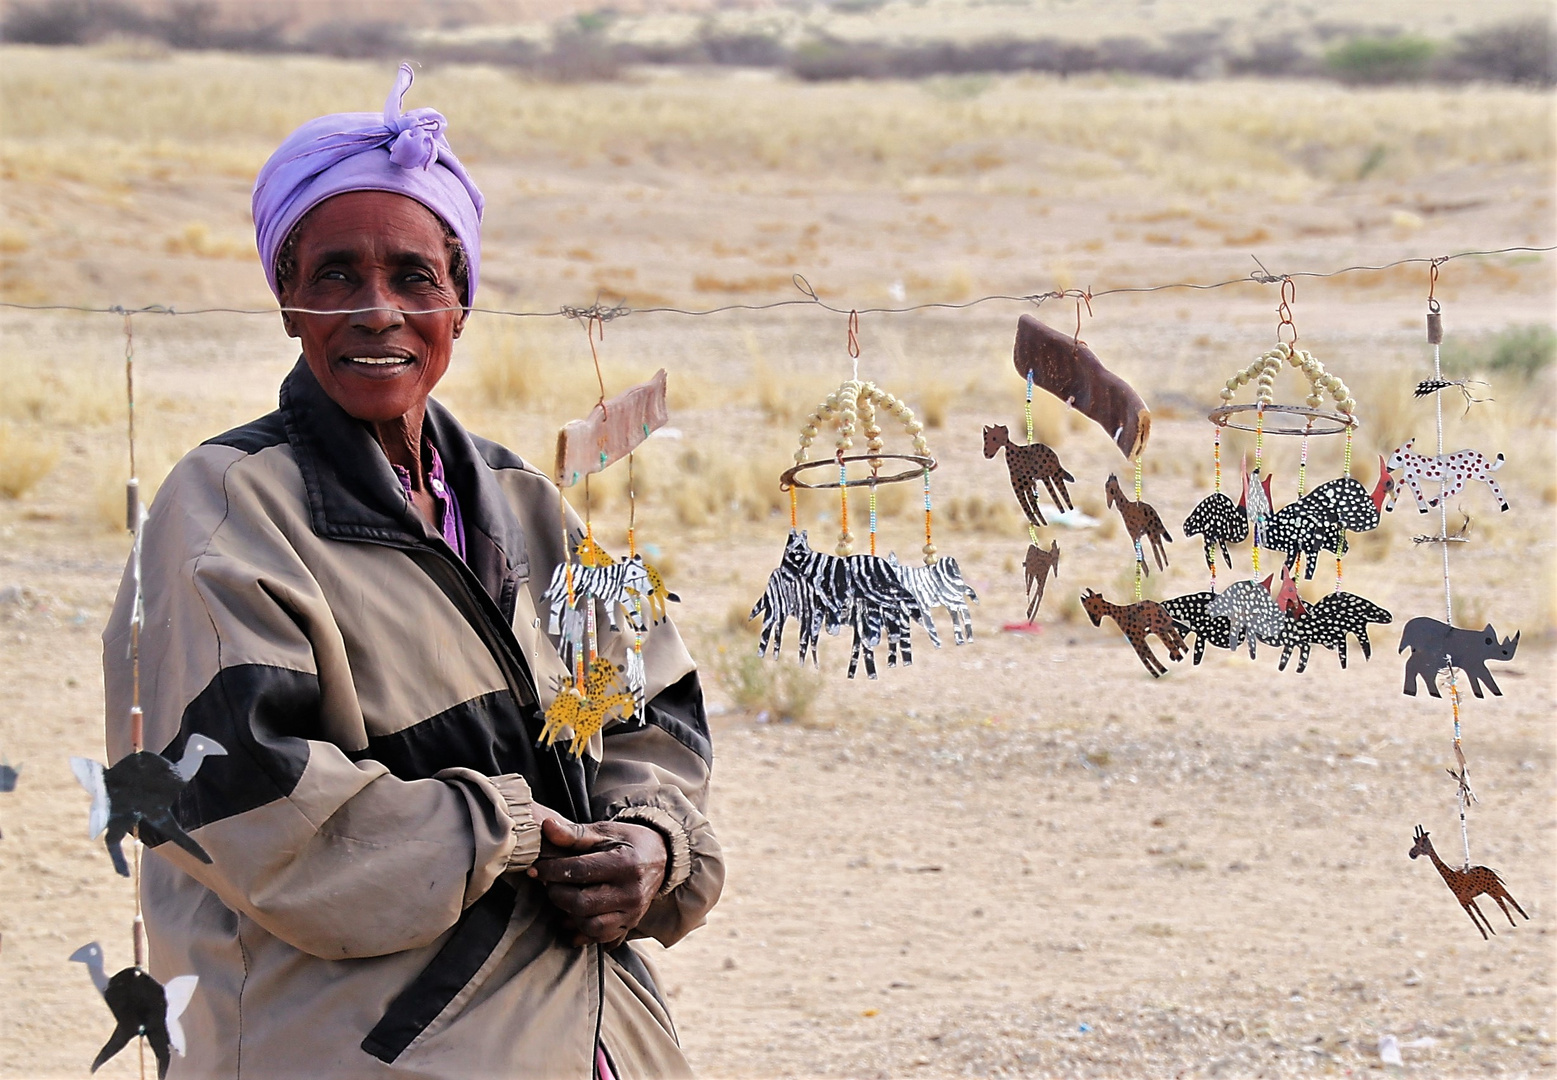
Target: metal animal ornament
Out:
[1137,621]
[1320,520]
[1256,501]
[658,594]
[1218,522]
[880,603]
[140,1006]
[140,788]
[1250,612]
[1140,519]
[811,587]
[1028,465]
[1327,622]
[1287,597]
[1436,646]
[939,585]
[1191,615]
[586,710]
[1038,565]
[1468,884]
[1452,471]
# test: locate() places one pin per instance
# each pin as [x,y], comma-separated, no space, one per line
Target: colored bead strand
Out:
[1216,453]
[1140,556]
[929,544]
[794,507]
[845,538]
[1340,546]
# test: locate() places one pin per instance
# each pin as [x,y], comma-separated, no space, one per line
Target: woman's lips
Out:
[376,366]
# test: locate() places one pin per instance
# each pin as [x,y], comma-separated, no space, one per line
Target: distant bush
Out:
[1381,59]
[1522,351]
[1517,52]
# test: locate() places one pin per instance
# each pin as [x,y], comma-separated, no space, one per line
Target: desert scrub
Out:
[782,689]
[1521,351]
[26,457]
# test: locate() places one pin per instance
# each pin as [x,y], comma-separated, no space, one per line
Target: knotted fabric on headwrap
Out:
[405,153]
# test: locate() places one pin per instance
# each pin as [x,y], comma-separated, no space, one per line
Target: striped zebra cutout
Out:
[939,585]
[879,603]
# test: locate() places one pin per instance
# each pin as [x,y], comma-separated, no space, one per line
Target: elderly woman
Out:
[344,594]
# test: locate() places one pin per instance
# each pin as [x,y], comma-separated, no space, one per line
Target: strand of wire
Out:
[606,313]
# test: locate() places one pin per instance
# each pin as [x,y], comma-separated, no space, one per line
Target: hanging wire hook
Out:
[1083,296]
[1432,283]
[854,342]
[1284,309]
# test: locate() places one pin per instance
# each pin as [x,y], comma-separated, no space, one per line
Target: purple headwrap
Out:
[405,153]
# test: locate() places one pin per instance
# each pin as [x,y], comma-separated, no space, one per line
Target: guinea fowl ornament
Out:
[141,787]
[141,1007]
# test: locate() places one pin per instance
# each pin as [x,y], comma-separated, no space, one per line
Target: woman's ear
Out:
[288,322]
[459,321]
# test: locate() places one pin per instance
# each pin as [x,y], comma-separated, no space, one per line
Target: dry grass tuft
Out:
[783,690]
[70,396]
[26,457]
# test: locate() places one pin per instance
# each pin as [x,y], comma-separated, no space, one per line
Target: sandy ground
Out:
[1018,857]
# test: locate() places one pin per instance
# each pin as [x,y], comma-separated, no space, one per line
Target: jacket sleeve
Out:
[657,774]
[321,846]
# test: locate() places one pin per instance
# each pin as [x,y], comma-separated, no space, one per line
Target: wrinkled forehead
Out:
[376,222]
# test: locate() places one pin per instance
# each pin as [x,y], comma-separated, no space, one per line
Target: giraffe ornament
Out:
[1468,884]
[1141,520]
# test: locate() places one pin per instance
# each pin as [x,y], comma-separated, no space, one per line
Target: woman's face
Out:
[386,253]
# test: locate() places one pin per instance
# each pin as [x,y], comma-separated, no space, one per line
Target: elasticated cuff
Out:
[527,832]
[678,849]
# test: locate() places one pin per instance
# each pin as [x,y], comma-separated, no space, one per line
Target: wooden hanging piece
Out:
[1067,368]
[612,430]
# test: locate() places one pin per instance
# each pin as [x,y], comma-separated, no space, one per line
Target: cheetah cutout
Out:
[1028,465]
[1138,620]
[1140,519]
[1452,471]
[1468,884]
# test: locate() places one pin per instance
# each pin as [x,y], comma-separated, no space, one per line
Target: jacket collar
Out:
[353,493]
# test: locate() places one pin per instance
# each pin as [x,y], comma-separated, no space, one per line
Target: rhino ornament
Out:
[1435,646]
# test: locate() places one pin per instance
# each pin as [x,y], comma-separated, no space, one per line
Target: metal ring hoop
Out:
[791,477]
[1330,423]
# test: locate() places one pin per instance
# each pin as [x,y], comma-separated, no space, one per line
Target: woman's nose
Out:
[377,311]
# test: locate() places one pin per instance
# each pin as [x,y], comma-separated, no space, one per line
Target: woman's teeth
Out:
[378,361]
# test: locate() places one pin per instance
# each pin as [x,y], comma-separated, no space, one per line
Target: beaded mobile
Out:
[875,597]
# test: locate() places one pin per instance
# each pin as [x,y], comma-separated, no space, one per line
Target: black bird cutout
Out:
[141,1006]
[141,787]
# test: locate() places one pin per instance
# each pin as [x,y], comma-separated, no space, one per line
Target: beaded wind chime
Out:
[140,787]
[1439,649]
[590,584]
[1317,520]
[872,595]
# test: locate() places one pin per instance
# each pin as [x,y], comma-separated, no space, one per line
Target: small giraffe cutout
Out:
[1140,519]
[1028,465]
[1469,884]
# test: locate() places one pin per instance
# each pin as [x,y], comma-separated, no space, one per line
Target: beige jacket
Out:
[365,911]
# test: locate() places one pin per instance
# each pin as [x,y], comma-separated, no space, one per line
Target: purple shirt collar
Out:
[450,523]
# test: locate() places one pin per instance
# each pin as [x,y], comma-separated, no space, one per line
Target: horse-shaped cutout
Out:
[1028,466]
[1137,621]
[1141,520]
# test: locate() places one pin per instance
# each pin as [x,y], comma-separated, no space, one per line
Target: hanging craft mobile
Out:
[141,1006]
[1469,883]
[590,582]
[141,787]
[1440,648]
[1137,621]
[137,792]
[876,597]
